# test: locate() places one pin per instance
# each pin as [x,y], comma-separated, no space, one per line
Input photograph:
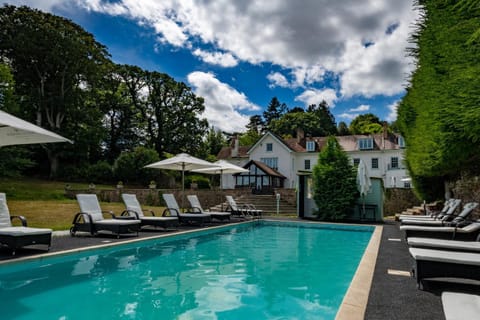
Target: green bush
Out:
[334,182]
[201,181]
[129,166]
[100,172]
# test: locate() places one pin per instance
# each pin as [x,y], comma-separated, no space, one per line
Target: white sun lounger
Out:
[449,208]
[15,237]
[195,204]
[134,209]
[460,306]
[184,217]
[430,263]
[444,244]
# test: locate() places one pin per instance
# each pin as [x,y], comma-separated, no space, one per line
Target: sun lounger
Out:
[468,232]
[447,220]
[90,219]
[430,263]
[444,244]
[185,217]
[449,209]
[15,237]
[460,306]
[135,210]
[245,210]
[196,206]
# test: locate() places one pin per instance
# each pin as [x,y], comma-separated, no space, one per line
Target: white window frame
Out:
[310,145]
[365,144]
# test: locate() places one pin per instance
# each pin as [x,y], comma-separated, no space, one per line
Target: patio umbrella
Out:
[224,167]
[182,162]
[363,181]
[14,131]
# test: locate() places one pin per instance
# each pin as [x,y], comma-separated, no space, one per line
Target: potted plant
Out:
[120,185]
[152,185]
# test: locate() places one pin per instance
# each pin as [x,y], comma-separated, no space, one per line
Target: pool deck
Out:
[392,295]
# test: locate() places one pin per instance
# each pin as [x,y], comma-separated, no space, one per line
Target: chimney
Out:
[235,144]
[300,134]
[385,134]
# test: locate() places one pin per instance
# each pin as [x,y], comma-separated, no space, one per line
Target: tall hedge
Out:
[440,114]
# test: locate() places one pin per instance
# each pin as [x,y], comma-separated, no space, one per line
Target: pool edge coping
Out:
[355,301]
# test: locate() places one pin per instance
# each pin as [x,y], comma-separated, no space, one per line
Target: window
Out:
[374,163]
[271,162]
[401,142]
[365,144]
[310,145]
[406,184]
[269,147]
[394,162]
[356,161]
[307,164]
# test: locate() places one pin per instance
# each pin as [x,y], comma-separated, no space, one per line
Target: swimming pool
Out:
[261,270]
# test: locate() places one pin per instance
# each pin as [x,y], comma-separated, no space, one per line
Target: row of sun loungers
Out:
[91,219]
[447,252]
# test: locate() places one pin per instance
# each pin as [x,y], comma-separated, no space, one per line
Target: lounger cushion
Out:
[194,215]
[117,222]
[420,222]
[468,258]
[132,204]
[4,214]
[23,231]
[153,219]
[473,246]
[460,306]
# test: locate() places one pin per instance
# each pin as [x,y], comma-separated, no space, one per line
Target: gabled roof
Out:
[269,171]
[226,152]
[275,137]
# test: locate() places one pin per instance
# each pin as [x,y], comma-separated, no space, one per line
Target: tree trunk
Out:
[53,159]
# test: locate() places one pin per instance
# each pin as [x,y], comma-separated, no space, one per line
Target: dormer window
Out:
[365,144]
[310,145]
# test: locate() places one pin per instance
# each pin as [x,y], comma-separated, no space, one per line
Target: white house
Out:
[285,158]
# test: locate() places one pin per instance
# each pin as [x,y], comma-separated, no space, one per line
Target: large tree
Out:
[55,63]
[366,124]
[440,113]
[275,110]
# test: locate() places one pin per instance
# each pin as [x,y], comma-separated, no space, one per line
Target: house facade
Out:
[382,153]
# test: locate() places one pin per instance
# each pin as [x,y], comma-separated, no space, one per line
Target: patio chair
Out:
[196,206]
[430,263]
[15,237]
[90,219]
[245,210]
[444,244]
[464,231]
[460,305]
[449,219]
[448,209]
[185,217]
[134,210]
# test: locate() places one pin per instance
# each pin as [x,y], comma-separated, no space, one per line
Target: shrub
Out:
[334,182]
[201,181]
[129,166]
[100,172]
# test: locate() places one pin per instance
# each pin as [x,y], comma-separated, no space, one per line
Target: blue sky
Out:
[240,54]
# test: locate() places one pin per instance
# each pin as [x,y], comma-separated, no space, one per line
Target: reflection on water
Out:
[265,272]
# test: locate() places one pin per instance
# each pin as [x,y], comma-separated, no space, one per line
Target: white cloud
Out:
[360,108]
[361,42]
[222,102]
[216,58]
[348,116]
[277,80]
[392,115]
[314,96]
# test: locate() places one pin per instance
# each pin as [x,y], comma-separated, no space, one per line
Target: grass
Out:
[44,204]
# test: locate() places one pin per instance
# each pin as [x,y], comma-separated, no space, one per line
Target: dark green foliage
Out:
[100,172]
[129,166]
[14,160]
[342,129]
[366,124]
[334,182]
[275,110]
[440,114]
[202,182]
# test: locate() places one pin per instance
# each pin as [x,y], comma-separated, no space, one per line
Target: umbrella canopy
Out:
[15,131]
[182,162]
[363,179]
[224,167]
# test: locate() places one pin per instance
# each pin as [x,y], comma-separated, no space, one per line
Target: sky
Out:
[239,54]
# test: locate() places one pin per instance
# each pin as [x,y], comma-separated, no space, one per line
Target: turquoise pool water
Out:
[256,271]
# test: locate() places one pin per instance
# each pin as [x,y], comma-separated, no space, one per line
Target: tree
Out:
[54,62]
[439,115]
[342,129]
[213,143]
[334,182]
[274,111]
[7,89]
[326,120]
[366,124]
[256,124]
